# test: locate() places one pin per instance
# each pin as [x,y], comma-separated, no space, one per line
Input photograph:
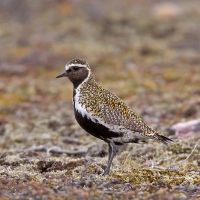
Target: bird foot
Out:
[106,172]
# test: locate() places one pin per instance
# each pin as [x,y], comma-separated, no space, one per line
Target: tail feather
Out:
[163,139]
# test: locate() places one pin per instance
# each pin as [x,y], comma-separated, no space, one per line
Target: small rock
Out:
[167,11]
[187,129]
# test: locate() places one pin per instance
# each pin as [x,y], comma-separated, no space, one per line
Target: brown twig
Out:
[54,150]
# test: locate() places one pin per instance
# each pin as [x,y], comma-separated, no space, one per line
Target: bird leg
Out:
[112,153]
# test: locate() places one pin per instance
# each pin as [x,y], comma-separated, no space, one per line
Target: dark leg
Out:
[112,153]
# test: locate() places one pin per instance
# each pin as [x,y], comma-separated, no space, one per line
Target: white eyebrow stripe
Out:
[70,65]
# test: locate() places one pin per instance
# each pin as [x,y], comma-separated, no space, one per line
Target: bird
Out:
[103,114]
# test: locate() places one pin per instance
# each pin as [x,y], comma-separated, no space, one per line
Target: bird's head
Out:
[76,70]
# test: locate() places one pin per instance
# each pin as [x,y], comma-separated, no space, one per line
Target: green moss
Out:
[179,147]
[153,176]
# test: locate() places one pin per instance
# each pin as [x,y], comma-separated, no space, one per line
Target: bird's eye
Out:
[75,68]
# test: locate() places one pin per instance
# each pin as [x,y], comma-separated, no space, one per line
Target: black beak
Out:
[61,75]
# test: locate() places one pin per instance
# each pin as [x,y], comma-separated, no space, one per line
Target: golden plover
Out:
[103,114]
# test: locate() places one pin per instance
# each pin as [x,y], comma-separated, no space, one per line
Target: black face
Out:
[76,74]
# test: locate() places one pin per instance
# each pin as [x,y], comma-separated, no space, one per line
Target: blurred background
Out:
[133,47]
[145,51]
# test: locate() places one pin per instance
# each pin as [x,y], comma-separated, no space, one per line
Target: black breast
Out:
[94,128]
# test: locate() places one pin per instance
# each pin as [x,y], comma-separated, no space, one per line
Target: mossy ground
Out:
[146,52]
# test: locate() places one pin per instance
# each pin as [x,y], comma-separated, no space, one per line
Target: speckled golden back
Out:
[109,108]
